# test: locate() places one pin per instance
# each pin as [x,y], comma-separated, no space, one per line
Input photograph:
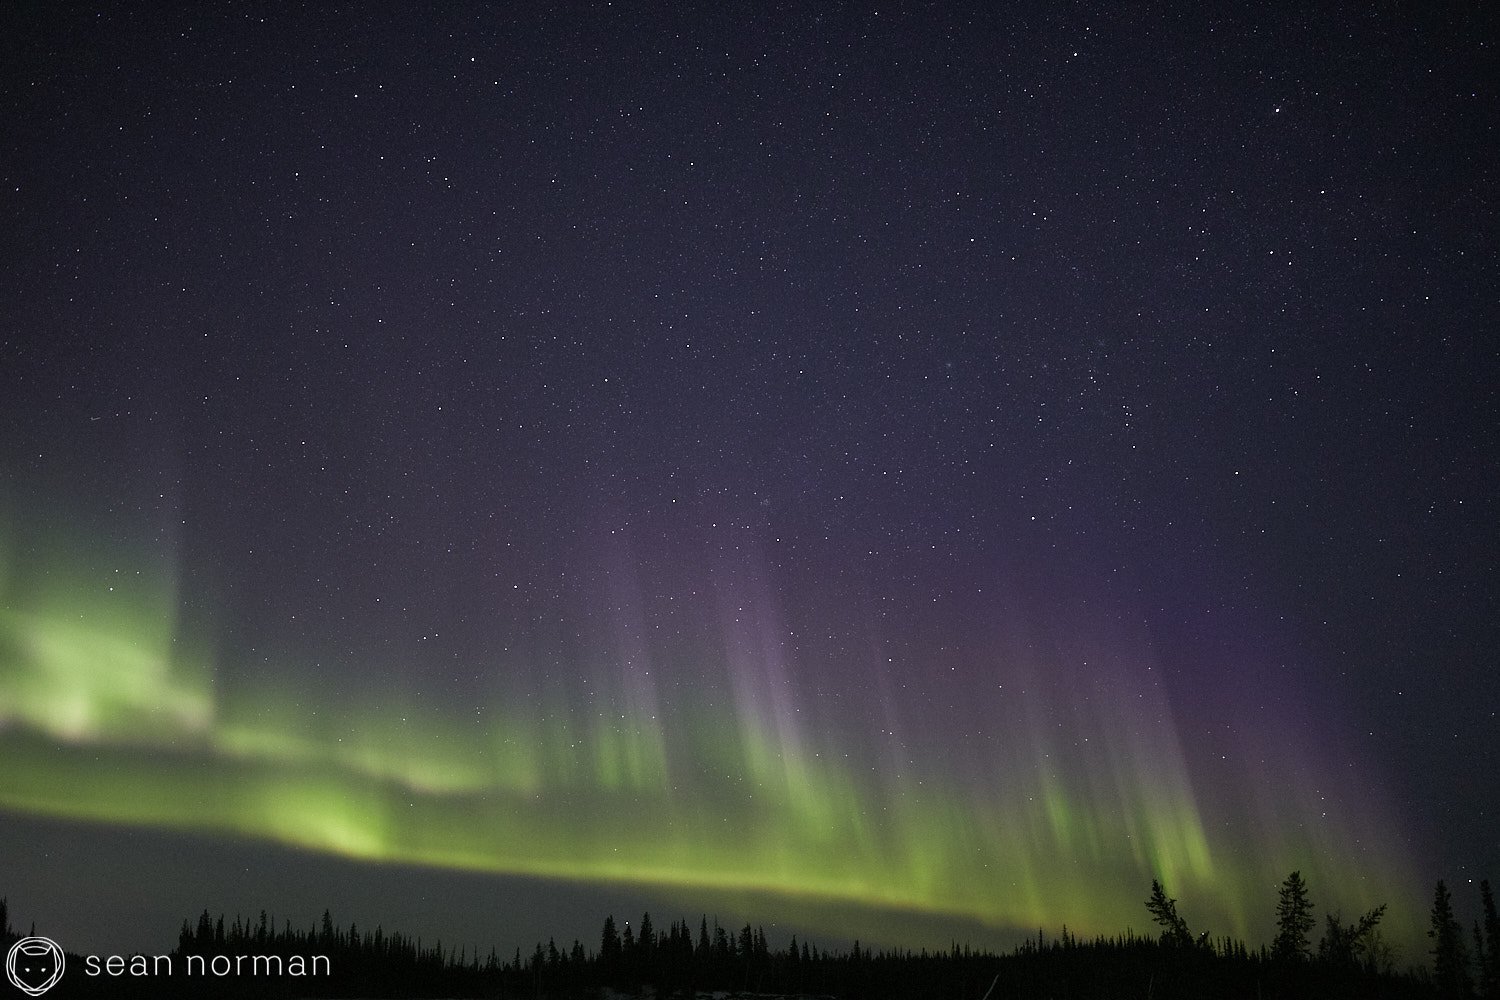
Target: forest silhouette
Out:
[1349,960]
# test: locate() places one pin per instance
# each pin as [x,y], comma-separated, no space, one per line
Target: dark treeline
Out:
[1349,960]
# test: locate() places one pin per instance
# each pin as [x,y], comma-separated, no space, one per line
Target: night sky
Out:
[898,473]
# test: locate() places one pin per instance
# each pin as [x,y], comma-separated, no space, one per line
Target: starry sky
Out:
[889,472]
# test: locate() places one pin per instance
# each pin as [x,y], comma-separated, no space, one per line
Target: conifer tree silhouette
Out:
[1164,911]
[1450,960]
[1294,920]
[646,943]
[1349,945]
[1489,968]
[610,951]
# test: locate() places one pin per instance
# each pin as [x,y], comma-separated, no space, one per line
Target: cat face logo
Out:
[34,965]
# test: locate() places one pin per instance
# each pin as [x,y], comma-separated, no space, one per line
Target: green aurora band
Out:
[112,710]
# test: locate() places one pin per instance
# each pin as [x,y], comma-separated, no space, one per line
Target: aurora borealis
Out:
[1078,779]
[855,471]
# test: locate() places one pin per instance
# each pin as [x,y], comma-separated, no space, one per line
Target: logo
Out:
[34,965]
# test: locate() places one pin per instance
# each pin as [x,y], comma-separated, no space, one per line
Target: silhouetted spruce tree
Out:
[747,940]
[1164,911]
[1350,945]
[609,951]
[646,945]
[723,958]
[1294,920]
[630,958]
[1489,969]
[745,955]
[536,969]
[1450,960]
